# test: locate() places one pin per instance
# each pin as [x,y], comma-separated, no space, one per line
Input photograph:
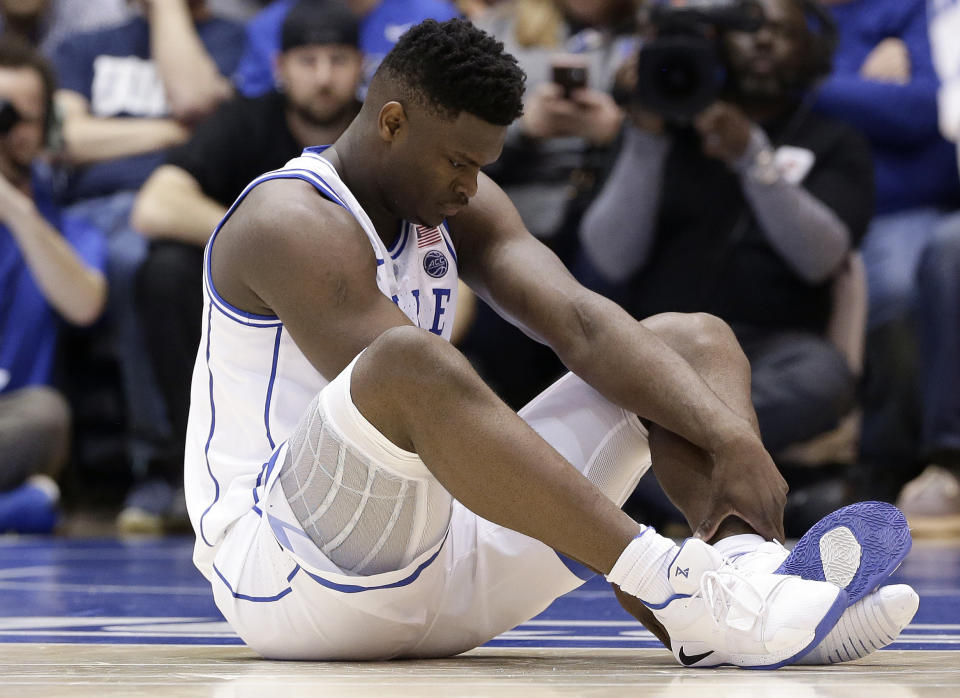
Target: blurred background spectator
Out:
[553,154]
[932,500]
[318,72]
[44,23]
[755,193]
[748,209]
[50,270]
[381,24]
[127,94]
[885,85]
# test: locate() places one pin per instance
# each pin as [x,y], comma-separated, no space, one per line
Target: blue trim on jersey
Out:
[255,599]
[273,378]
[270,463]
[403,242]
[453,252]
[579,569]
[213,424]
[227,314]
[320,184]
[247,318]
[260,479]
[279,529]
[354,589]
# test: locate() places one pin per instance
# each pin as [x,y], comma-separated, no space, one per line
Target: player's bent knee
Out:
[405,360]
[702,333]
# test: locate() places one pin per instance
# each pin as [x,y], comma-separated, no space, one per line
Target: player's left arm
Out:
[595,338]
[600,342]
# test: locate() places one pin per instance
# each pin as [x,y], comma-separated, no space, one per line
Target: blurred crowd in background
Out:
[790,166]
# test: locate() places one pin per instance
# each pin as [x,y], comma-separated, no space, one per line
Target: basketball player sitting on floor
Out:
[358,492]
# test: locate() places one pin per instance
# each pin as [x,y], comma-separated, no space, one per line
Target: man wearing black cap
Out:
[318,71]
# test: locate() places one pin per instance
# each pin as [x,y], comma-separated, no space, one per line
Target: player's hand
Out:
[745,483]
[724,131]
[889,61]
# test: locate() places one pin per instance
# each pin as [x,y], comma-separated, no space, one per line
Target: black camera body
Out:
[9,116]
[681,71]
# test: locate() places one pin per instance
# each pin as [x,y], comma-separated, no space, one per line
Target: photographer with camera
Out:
[51,269]
[730,196]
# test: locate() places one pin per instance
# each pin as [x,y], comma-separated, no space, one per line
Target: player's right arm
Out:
[288,251]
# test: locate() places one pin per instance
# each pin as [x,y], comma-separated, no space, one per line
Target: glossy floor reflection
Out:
[80,617]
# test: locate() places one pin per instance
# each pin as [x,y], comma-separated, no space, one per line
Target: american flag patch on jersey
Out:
[428,236]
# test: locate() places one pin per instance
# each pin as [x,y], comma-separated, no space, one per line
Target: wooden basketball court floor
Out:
[107,617]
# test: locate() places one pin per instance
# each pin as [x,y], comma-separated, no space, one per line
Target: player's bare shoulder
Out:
[285,237]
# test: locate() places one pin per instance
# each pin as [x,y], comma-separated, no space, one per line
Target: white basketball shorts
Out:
[287,600]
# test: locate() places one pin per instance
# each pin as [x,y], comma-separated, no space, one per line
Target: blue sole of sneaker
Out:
[856,548]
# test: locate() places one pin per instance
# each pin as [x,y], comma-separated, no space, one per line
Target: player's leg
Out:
[875,619]
[681,468]
[423,396]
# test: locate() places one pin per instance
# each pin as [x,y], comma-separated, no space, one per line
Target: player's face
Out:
[433,171]
[23,88]
[320,81]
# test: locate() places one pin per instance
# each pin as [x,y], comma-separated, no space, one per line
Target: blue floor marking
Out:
[112,591]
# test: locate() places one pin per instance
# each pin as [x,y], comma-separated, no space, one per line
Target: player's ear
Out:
[392,121]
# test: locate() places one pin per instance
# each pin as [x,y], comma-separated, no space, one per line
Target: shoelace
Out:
[719,596]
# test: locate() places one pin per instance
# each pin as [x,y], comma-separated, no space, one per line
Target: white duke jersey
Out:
[252,383]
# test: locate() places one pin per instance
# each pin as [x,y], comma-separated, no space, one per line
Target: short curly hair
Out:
[452,67]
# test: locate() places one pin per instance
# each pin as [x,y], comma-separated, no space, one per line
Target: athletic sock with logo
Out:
[642,569]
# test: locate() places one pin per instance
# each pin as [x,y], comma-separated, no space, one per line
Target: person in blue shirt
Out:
[884,83]
[382,23]
[932,500]
[128,94]
[51,270]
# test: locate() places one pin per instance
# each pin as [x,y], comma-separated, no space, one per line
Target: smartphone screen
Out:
[569,77]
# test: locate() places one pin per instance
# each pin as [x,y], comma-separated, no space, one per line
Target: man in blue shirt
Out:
[884,83]
[932,500]
[51,269]
[382,23]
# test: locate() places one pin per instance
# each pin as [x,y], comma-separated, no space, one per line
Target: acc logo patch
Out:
[435,263]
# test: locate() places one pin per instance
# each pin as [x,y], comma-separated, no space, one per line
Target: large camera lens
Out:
[678,76]
[677,79]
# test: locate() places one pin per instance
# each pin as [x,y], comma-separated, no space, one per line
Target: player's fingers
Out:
[709,525]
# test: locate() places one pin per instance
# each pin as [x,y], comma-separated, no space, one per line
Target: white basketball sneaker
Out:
[854,548]
[719,614]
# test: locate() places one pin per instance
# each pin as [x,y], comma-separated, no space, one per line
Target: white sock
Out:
[734,546]
[643,566]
